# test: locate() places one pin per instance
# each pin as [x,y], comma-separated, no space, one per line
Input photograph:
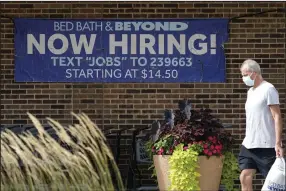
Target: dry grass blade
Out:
[42,163]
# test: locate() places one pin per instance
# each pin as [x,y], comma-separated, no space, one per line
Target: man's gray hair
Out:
[251,66]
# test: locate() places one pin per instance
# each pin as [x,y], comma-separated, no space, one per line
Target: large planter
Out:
[161,163]
[210,170]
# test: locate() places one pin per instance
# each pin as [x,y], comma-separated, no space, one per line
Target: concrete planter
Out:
[210,170]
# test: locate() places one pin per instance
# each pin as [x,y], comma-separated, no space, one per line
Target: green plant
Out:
[201,134]
[148,148]
[183,169]
[47,165]
[230,171]
[164,146]
[192,127]
[197,147]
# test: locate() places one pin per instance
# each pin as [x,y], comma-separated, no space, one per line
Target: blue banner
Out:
[116,51]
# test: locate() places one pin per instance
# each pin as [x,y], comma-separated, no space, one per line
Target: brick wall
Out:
[120,105]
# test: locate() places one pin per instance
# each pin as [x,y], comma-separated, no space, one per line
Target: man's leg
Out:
[246,177]
[248,168]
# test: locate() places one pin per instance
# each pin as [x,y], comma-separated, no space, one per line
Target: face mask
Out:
[247,80]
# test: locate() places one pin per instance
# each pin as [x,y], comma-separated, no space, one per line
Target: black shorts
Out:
[260,159]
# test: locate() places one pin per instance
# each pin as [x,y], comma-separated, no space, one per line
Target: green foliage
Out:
[185,137]
[183,169]
[148,148]
[184,162]
[152,167]
[230,171]
[196,147]
[164,146]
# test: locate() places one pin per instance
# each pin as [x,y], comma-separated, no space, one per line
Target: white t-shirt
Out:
[260,126]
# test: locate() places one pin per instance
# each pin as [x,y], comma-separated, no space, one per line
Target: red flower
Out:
[220,147]
[210,153]
[212,147]
[214,151]
[206,146]
[185,148]
[161,151]
[210,138]
[206,151]
[214,140]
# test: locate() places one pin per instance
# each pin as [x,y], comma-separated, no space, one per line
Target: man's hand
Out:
[279,151]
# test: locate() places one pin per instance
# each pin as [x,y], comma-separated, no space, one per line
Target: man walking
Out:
[263,137]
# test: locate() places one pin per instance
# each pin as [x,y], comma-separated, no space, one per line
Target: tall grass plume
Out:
[84,163]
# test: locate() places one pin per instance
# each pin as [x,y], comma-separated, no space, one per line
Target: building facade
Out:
[261,37]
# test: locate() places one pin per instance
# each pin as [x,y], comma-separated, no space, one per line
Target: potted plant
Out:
[192,150]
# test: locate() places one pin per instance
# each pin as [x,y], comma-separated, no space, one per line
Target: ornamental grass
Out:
[40,162]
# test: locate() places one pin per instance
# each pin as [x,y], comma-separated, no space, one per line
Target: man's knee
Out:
[246,176]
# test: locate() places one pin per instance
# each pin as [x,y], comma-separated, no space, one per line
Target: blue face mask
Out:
[247,80]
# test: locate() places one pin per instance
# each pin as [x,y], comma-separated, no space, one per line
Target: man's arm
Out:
[276,113]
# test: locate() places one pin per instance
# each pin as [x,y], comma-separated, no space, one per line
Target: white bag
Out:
[276,179]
